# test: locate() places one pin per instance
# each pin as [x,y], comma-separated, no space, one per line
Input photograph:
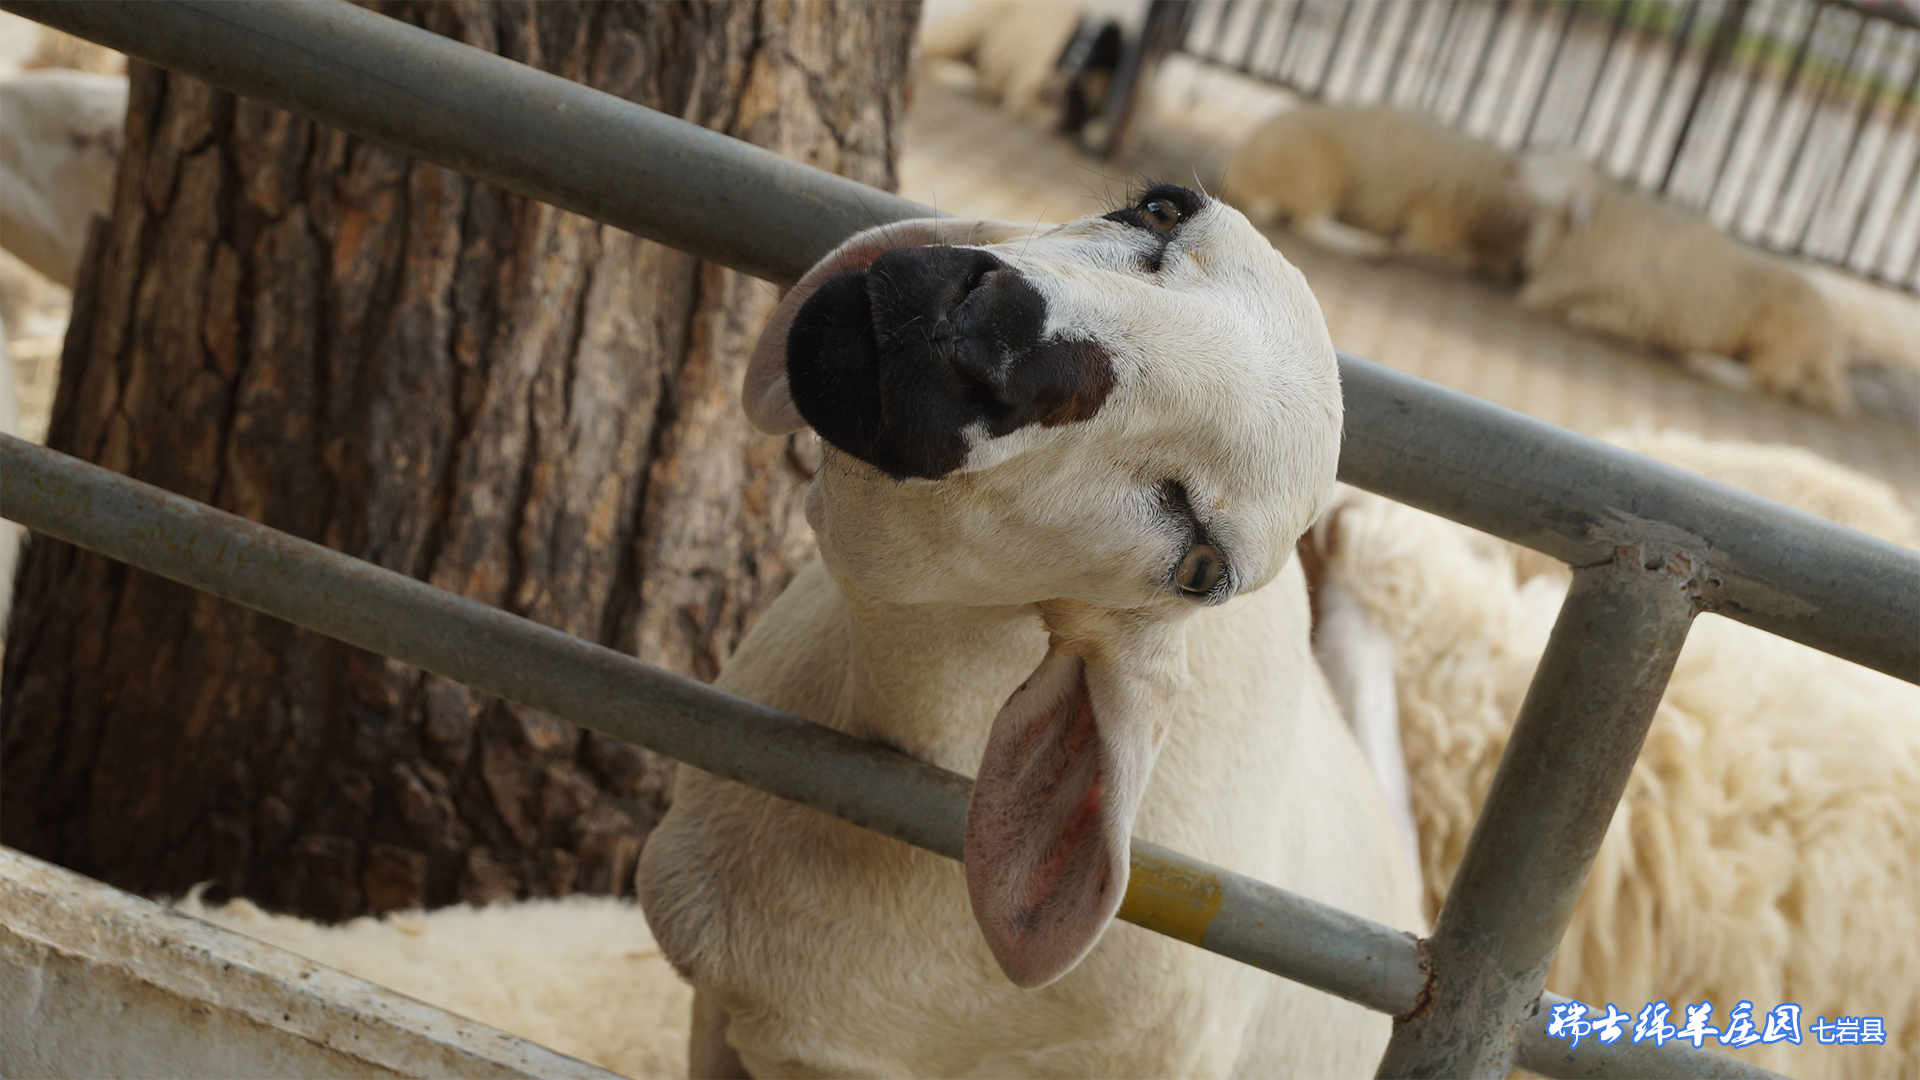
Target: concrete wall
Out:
[96,982]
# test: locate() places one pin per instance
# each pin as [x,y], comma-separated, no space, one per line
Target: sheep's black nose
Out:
[895,363]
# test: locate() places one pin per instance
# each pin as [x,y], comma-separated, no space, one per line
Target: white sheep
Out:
[1058,469]
[1609,259]
[11,535]
[1373,180]
[580,975]
[1012,48]
[1767,848]
[59,153]
[1050,460]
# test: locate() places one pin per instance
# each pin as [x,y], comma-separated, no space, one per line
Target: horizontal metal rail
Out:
[1562,494]
[580,149]
[617,695]
[499,121]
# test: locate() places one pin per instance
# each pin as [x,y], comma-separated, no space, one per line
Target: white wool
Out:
[581,975]
[1767,847]
[59,153]
[1620,262]
[11,535]
[1374,179]
[1013,47]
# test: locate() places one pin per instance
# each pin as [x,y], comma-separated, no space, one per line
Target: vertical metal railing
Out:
[1792,124]
[1654,544]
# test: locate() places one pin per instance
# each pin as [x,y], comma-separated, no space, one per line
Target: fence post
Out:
[1573,747]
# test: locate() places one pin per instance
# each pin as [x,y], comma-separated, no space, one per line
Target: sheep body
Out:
[11,535]
[1405,179]
[1767,848]
[580,975]
[59,153]
[1608,259]
[914,984]
[1012,46]
[1097,612]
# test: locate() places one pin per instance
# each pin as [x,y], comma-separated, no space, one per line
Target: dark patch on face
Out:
[892,363]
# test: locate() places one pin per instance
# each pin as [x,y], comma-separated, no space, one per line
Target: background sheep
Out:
[1606,258]
[1013,48]
[1369,180]
[580,975]
[59,151]
[1767,848]
[11,535]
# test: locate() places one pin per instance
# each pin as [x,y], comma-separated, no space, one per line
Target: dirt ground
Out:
[967,158]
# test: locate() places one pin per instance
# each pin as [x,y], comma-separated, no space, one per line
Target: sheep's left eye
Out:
[1162,214]
[1200,570]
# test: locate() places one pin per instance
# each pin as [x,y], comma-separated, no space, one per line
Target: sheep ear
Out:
[1050,826]
[769,406]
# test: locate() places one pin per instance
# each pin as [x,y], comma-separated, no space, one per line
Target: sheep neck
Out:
[930,678]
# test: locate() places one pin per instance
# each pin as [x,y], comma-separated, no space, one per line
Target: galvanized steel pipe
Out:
[500,121]
[615,694]
[1553,794]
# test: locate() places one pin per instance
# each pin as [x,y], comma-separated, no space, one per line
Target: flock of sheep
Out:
[1767,849]
[1378,181]
[1582,246]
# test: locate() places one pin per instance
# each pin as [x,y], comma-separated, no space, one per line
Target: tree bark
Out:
[456,383]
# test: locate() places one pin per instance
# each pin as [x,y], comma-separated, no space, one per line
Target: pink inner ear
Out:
[1049,826]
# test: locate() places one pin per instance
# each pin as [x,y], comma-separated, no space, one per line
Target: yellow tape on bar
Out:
[1174,900]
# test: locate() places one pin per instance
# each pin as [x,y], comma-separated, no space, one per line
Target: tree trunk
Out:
[453,382]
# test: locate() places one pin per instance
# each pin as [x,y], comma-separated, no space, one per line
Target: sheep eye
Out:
[1200,571]
[1162,214]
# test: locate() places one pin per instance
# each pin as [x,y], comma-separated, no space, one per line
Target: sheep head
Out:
[1114,421]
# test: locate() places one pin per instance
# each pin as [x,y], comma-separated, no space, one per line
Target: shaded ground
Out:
[967,158]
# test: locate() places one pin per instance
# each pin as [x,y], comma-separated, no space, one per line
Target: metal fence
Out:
[1792,124]
[1652,546]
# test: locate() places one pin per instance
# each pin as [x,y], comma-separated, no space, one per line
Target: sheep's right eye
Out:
[1162,214]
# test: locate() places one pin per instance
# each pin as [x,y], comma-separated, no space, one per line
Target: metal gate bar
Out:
[1574,744]
[1568,496]
[617,695]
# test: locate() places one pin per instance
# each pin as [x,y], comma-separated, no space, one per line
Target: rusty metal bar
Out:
[873,786]
[1573,747]
[615,694]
